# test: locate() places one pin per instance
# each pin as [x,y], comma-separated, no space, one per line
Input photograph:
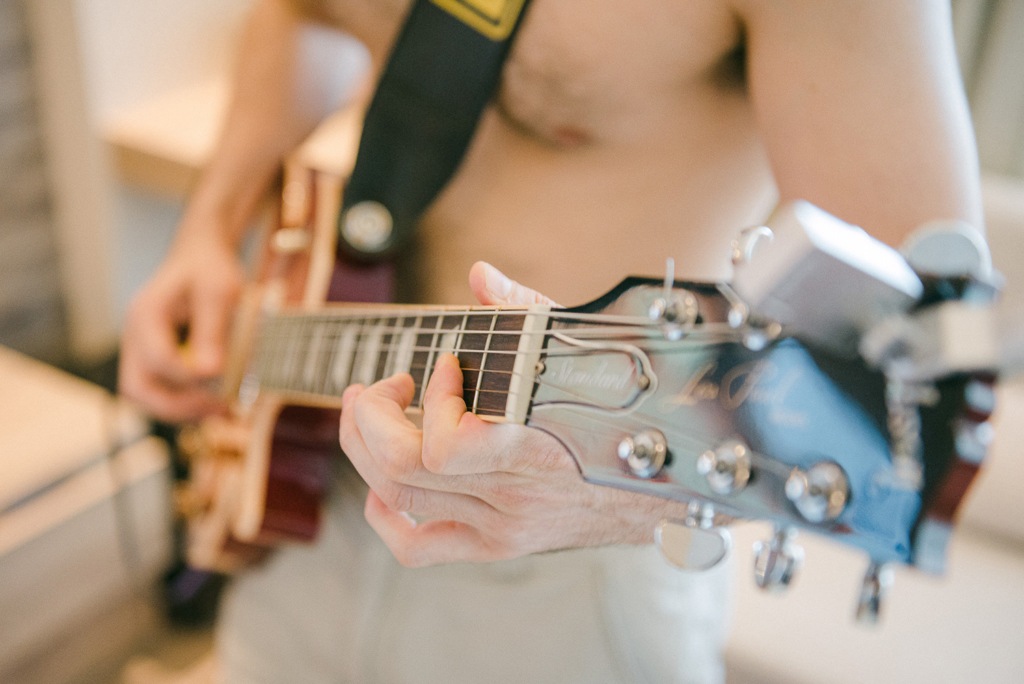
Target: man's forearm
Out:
[279,95]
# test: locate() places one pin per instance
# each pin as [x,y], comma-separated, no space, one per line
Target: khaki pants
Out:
[345,611]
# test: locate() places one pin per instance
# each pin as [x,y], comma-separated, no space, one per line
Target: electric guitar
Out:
[746,399]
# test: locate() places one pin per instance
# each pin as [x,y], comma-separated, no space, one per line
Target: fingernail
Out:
[497,283]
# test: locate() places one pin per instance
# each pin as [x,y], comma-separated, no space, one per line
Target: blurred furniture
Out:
[85,525]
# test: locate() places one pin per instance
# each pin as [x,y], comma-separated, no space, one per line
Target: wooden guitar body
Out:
[265,471]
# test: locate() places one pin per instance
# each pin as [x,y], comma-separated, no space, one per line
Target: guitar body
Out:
[275,469]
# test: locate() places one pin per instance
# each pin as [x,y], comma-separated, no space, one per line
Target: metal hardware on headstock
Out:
[819,493]
[746,242]
[645,453]
[676,311]
[833,385]
[695,544]
[727,468]
[778,560]
[878,580]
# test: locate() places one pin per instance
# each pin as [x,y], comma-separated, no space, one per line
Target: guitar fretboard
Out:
[315,357]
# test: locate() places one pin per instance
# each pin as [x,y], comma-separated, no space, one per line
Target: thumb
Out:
[492,287]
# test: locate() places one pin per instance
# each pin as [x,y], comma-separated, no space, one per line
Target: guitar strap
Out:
[443,70]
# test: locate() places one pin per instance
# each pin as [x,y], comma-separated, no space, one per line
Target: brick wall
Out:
[31,311]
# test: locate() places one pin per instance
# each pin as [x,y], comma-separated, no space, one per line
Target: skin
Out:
[621,134]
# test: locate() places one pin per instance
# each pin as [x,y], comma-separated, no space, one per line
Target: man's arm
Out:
[279,95]
[862,110]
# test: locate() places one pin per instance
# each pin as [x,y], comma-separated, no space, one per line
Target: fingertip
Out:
[478,282]
[496,283]
[404,381]
[446,378]
[350,394]
[448,359]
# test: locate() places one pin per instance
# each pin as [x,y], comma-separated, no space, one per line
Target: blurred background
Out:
[108,110]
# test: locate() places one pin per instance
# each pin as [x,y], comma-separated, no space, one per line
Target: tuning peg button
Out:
[727,468]
[777,561]
[645,453]
[819,493]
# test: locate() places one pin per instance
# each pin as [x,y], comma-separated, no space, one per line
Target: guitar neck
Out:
[311,358]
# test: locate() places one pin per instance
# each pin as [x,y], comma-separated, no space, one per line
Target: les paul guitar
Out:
[738,399]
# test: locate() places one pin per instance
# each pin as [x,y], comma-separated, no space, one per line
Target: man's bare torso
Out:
[621,135]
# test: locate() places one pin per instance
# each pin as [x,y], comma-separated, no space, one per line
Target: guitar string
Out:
[372,333]
[683,344]
[313,358]
[555,314]
[570,392]
[697,329]
[701,443]
[289,380]
[378,332]
[547,353]
[635,419]
[417,386]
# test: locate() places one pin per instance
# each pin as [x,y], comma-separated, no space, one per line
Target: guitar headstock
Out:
[693,392]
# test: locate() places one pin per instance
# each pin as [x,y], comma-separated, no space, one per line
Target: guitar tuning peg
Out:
[878,580]
[777,561]
[676,311]
[744,246]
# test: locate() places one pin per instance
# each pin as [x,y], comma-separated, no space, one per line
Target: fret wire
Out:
[325,375]
[389,353]
[458,340]
[291,348]
[462,331]
[483,363]
[414,333]
[311,364]
[272,350]
[363,347]
[263,353]
[281,352]
[430,356]
[334,339]
[341,369]
[301,350]
[357,345]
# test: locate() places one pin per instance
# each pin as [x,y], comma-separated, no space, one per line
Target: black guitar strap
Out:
[443,70]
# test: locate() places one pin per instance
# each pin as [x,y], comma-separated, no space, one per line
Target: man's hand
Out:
[193,294]
[489,491]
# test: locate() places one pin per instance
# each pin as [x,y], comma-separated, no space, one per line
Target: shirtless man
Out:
[623,133]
